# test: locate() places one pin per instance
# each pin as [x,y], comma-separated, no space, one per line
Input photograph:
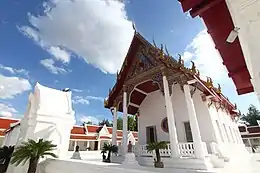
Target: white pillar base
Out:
[130,160]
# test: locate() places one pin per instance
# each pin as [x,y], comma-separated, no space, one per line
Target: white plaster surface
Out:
[251,165]
[49,116]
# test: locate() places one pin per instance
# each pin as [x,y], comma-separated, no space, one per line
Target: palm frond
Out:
[156,145]
[32,149]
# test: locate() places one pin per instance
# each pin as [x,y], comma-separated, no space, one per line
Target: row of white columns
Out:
[198,145]
[114,132]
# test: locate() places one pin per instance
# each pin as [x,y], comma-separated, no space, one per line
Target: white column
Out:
[99,145]
[87,144]
[171,122]
[124,140]
[249,141]
[75,144]
[114,134]
[198,145]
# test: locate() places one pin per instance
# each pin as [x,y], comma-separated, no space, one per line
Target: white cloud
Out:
[187,56]
[12,86]
[59,54]
[80,100]
[95,98]
[13,70]
[85,118]
[98,31]
[207,59]
[76,90]
[7,110]
[50,65]
[86,100]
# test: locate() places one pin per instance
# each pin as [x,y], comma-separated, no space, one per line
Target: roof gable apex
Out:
[103,131]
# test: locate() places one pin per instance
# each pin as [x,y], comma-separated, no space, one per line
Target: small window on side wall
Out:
[188,132]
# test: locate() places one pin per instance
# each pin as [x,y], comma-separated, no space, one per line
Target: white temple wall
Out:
[219,122]
[49,116]
[206,127]
[180,111]
[152,112]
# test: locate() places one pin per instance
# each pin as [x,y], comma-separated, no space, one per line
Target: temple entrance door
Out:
[96,145]
[188,132]
[151,135]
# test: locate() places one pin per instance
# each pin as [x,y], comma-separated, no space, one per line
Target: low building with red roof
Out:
[250,135]
[87,137]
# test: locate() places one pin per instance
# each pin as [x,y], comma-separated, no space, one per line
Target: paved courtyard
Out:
[242,165]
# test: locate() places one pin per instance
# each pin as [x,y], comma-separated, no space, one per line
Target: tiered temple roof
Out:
[142,71]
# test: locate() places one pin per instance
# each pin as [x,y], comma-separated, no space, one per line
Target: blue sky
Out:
[81,44]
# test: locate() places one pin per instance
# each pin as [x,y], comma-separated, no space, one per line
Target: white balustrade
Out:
[186,149]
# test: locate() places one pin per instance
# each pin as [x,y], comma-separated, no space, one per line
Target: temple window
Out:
[151,135]
[188,132]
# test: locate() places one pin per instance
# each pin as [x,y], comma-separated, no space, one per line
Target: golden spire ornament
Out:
[219,89]
[209,83]
[105,102]
[193,68]
[181,62]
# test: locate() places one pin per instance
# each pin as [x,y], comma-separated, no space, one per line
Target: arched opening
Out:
[138,94]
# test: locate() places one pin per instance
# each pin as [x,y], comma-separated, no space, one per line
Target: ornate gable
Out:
[142,62]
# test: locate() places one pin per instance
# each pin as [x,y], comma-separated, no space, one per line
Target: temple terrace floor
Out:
[251,165]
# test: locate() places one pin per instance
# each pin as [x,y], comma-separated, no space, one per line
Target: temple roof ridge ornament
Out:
[218,91]
[193,68]
[209,83]
[134,28]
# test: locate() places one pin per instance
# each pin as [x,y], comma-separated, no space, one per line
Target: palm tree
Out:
[32,151]
[103,152]
[5,157]
[111,149]
[157,146]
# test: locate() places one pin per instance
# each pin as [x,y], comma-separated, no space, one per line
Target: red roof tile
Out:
[78,130]
[135,134]
[5,123]
[83,137]
[94,129]
[110,129]
[253,129]
[104,137]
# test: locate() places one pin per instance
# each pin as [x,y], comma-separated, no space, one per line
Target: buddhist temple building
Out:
[235,33]
[173,104]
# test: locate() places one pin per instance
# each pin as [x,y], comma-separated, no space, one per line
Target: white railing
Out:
[186,149]
[142,151]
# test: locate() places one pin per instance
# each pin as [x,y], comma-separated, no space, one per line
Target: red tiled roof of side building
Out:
[119,133]
[242,128]
[83,137]
[2,133]
[93,128]
[253,129]
[104,137]
[110,129]
[251,135]
[5,122]
[78,130]
[135,134]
